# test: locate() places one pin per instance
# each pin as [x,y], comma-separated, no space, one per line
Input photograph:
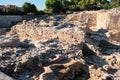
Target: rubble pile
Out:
[77,46]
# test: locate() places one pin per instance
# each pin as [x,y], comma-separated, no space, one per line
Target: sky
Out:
[40,4]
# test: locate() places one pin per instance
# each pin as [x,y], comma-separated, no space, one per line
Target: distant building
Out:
[8,8]
[2,7]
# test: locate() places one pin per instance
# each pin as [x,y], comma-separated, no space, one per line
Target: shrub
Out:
[54,6]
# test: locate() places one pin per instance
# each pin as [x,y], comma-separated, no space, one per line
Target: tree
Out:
[55,6]
[29,8]
[101,2]
[66,4]
[91,1]
[74,4]
[115,3]
[83,4]
[104,4]
[75,1]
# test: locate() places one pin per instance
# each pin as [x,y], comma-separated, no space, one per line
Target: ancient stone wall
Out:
[6,21]
[103,19]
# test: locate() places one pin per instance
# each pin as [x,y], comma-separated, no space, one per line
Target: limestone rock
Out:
[48,75]
[95,20]
[2,31]
[31,32]
[106,77]
[65,71]
[106,67]
[9,41]
[62,47]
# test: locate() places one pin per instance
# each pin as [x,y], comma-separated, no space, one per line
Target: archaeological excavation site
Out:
[76,46]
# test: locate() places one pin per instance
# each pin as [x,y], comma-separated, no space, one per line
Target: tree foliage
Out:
[83,4]
[29,8]
[115,3]
[54,6]
[60,6]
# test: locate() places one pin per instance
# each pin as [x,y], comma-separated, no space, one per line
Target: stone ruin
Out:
[78,46]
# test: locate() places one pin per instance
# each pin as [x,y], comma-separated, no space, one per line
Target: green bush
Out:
[29,8]
[40,12]
[54,6]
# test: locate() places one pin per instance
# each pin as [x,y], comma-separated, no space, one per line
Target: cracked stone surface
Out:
[77,46]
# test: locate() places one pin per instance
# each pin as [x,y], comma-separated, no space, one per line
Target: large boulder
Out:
[110,20]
